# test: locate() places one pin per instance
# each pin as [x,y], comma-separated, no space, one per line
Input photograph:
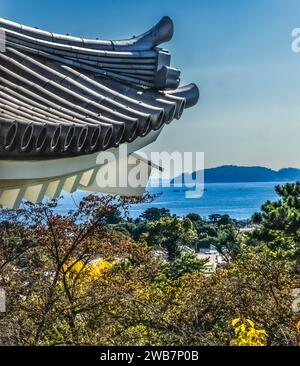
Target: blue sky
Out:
[237,51]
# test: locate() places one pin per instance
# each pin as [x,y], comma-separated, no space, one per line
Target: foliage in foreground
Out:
[96,277]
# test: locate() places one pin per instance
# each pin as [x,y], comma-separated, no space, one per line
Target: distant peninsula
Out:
[243,174]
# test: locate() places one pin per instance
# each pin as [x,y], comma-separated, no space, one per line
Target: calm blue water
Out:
[239,200]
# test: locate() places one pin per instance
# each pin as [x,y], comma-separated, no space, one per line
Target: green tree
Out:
[279,224]
[155,214]
[228,242]
[206,232]
[185,263]
[219,220]
[171,234]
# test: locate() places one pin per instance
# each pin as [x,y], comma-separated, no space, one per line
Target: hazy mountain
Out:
[238,174]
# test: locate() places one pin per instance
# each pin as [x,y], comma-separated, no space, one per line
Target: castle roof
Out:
[63,96]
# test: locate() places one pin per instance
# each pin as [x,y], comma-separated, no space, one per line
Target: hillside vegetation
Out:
[97,277]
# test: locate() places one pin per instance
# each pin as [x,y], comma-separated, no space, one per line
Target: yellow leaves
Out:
[76,266]
[298,327]
[99,268]
[82,274]
[93,269]
[246,334]
[235,321]
[143,294]
[238,320]
[250,322]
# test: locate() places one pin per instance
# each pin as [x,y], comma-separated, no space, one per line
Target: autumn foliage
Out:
[96,277]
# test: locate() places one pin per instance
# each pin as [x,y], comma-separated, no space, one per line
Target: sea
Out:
[239,200]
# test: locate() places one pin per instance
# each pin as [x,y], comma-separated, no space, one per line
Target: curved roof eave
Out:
[64,96]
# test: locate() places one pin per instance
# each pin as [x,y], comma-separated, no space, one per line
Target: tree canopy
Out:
[95,276]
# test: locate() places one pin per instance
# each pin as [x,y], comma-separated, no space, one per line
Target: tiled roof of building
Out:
[63,96]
